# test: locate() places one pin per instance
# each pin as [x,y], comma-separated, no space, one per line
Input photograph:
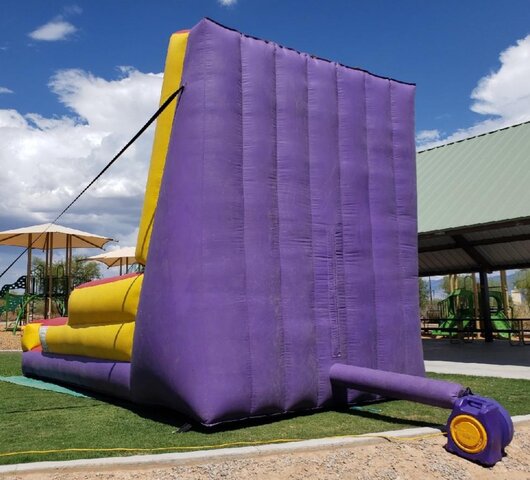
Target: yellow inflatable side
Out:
[100,323]
[101,317]
[30,336]
[113,302]
[109,342]
[172,78]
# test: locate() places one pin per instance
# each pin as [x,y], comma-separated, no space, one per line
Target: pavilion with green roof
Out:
[474,206]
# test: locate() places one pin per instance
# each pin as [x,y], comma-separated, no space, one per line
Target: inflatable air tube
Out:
[437,393]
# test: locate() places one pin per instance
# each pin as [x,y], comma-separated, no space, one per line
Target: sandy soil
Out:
[8,341]
[400,459]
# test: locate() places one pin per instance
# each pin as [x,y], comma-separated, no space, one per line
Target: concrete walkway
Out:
[496,359]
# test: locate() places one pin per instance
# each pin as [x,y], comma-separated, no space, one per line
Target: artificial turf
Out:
[33,419]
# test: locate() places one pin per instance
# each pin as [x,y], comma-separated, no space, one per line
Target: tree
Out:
[424,293]
[465,281]
[446,284]
[522,282]
[82,272]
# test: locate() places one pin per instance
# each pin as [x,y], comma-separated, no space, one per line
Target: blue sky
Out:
[443,47]
[78,78]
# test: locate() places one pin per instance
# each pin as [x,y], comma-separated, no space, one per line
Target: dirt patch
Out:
[8,341]
[399,459]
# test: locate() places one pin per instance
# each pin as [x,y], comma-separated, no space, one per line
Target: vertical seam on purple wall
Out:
[398,216]
[205,91]
[279,309]
[245,266]
[333,289]
[371,219]
[343,325]
[312,299]
[333,307]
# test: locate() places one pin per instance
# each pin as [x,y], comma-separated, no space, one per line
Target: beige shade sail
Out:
[62,237]
[115,258]
[49,237]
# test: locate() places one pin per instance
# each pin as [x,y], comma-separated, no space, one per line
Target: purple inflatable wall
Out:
[285,233]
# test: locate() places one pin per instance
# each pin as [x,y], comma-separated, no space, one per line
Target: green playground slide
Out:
[457,311]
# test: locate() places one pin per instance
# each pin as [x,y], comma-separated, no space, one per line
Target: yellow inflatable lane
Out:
[109,342]
[172,78]
[109,302]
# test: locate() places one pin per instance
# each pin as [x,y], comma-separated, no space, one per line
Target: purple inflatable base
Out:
[113,379]
[103,376]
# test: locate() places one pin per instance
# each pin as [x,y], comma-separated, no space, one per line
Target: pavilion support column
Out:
[504,292]
[485,306]
[476,311]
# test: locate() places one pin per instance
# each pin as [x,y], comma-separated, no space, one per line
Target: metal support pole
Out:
[50,279]
[28,275]
[45,275]
[485,306]
[68,270]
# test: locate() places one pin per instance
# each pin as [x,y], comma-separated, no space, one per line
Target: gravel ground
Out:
[398,460]
[8,341]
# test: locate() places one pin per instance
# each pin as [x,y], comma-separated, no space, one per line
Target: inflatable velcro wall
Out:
[285,235]
[279,236]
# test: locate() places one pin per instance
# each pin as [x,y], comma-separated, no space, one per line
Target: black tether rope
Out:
[96,178]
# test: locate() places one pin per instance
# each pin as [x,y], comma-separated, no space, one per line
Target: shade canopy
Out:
[116,257]
[474,203]
[61,235]
[48,237]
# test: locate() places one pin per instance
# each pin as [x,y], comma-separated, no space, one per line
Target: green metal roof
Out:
[478,180]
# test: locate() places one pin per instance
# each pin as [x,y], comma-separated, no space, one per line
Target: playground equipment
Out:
[20,284]
[458,309]
[279,235]
[22,306]
[15,304]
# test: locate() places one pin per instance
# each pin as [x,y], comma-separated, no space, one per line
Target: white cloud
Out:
[426,136]
[46,161]
[503,95]
[5,90]
[54,30]
[506,92]
[227,3]
[72,10]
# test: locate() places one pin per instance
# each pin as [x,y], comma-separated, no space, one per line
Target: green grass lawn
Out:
[33,419]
